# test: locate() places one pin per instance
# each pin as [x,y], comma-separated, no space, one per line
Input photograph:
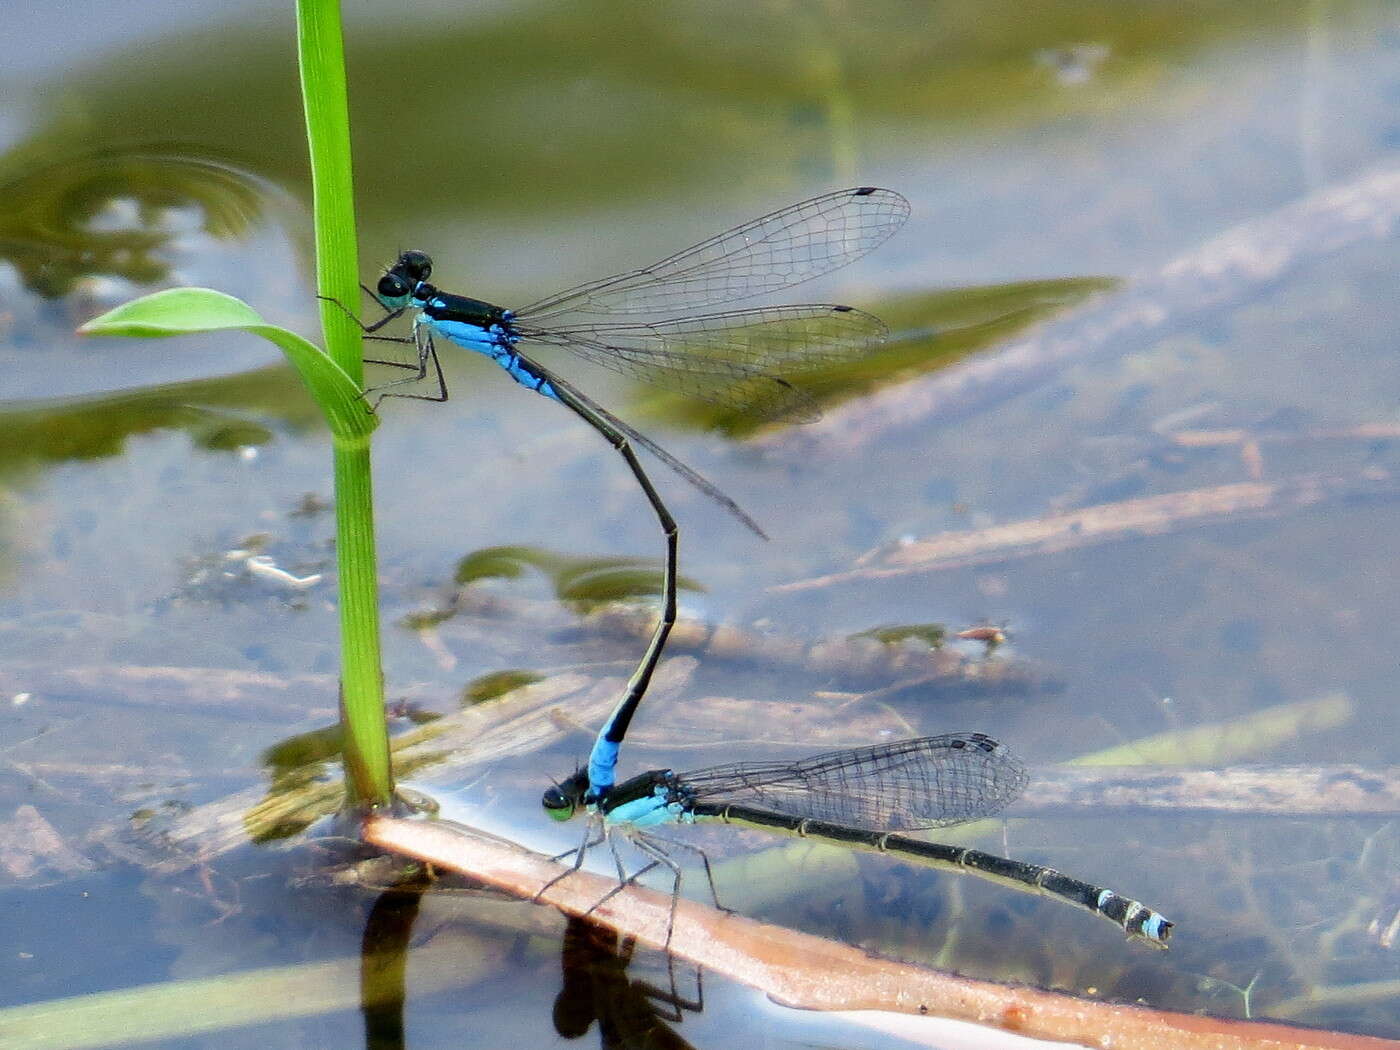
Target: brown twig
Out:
[807,972]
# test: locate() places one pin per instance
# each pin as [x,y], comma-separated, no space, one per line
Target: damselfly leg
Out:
[421,340]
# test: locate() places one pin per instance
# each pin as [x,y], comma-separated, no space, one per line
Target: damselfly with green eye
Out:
[858,798]
[742,358]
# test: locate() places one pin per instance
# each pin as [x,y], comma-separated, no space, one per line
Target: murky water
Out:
[1181,217]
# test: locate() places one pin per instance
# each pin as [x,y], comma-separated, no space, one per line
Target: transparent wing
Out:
[737,358]
[930,782]
[569,393]
[766,255]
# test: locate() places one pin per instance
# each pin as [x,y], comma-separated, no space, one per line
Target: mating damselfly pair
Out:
[860,797]
[739,358]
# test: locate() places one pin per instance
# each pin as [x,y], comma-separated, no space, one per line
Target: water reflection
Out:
[928,331]
[83,231]
[582,583]
[632,1014]
[116,213]
[213,412]
[384,962]
[306,757]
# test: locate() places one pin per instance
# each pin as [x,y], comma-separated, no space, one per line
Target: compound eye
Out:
[416,265]
[557,804]
[392,286]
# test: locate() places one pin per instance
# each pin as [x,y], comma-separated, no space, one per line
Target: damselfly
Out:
[859,798]
[739,358]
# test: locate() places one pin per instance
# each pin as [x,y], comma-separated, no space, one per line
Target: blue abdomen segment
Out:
[647,812]
[602,765]
[497,342]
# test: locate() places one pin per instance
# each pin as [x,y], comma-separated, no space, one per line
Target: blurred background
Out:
[1151,257]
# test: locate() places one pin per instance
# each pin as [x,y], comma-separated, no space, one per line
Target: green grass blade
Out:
[324,90]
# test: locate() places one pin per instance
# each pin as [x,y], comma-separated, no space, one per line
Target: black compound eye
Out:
[417,265]
[392,286]
[559,805]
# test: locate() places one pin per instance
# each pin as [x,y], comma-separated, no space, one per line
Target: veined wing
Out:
[580,402]
[930,782]
[737,358]
[780,250]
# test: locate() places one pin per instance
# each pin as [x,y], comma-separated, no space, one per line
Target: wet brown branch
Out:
[808,972]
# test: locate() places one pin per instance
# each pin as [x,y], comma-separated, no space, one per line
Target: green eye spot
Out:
[559,803]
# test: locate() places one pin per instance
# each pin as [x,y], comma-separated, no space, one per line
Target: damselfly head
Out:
[394,289]
[415,265]
[402,279]
[563,800]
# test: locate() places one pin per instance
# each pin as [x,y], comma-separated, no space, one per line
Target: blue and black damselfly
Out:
[739,358]
[859,798]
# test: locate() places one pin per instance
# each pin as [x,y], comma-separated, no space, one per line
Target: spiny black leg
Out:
[628,881]
[426,350]
[655,842]
[389,315]
[704,860]
[578,853]
[389,339]
[650,847]
[617,860]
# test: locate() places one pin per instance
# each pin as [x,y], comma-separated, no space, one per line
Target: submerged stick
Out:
[1253,791]
[857,661]
[1106,523]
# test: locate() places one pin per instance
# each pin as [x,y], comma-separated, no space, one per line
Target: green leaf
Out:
[182,311]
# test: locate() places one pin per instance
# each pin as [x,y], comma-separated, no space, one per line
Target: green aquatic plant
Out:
[487,687]
[583,584]
[333,377]
[931,634]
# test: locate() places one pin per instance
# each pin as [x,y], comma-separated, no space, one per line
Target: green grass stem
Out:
[321,55]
